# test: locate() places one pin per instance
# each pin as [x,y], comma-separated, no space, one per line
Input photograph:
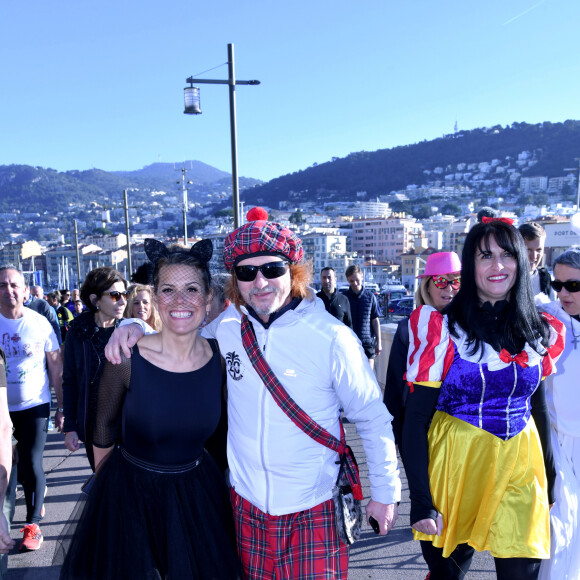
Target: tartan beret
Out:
[261,238]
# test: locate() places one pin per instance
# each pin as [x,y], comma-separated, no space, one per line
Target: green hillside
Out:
[556,145]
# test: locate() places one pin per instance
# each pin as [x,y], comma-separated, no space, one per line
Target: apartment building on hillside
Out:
[385,239]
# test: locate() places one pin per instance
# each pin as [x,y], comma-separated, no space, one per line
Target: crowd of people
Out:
[211,410]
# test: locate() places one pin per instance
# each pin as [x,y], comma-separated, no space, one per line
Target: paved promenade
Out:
[395,556]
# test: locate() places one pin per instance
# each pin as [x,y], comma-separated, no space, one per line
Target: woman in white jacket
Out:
[564,404]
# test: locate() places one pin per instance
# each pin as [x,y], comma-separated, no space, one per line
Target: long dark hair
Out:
[523,322]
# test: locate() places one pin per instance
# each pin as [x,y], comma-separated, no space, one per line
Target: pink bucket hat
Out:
[441,263]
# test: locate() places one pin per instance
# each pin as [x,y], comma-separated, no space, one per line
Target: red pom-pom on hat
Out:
[257,214]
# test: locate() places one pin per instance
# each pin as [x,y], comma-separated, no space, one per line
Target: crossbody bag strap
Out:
[295,413]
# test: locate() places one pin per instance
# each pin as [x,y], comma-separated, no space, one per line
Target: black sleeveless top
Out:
[166,417]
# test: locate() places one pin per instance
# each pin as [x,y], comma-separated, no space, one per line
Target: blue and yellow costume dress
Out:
[486,472]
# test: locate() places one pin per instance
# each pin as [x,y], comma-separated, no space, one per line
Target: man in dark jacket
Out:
[335,302]
[365,313]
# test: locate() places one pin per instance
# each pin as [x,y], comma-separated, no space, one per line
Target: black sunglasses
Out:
[570,285]
[270,271]
[116,295]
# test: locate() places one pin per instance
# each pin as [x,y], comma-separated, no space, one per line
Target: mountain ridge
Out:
[554,146]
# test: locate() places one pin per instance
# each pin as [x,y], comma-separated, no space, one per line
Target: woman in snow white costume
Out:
[476,469]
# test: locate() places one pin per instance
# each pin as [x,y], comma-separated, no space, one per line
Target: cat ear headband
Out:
[155,250]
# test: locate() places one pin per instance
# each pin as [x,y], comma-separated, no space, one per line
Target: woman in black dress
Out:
[158,507]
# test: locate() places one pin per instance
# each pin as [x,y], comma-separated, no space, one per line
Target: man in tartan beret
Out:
[278,477]
[282,479]
[262,238]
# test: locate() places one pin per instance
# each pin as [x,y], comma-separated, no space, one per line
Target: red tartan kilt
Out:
[297,546]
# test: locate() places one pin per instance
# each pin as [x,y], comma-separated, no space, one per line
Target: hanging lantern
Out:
[191,97]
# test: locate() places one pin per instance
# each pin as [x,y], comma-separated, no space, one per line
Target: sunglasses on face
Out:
[116,295]
[570,285]
[441,282]
[270,271]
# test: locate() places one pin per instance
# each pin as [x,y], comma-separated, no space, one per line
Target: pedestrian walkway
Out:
[66,472]
[395,556]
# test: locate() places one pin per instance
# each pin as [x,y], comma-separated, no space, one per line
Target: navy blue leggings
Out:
[30,430]
[456,566]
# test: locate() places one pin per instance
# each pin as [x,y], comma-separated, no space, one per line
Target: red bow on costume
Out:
[487,220]
[521,358]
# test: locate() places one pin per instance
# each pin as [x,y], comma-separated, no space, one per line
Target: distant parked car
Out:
[389,299]
[374,288]
[404,306]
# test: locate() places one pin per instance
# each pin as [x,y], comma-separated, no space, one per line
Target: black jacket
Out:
[396,389]
[545,281]
[337,305]
[83,364]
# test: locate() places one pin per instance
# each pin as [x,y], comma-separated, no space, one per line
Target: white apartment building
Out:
[533,184]
[340,263]
[372,209]
[454,234]
[385,239]
[107,243]
[320,245]
[15,252]
[61,263]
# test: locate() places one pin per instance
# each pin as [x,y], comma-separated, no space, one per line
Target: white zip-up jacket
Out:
[562,387]
[321,364]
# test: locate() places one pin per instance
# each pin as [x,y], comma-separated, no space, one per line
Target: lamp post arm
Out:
[192,80]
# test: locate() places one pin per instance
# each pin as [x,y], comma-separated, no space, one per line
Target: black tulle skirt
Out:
[136,523]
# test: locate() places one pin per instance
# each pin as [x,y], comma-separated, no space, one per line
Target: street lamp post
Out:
[127,233]
[192,107]
[78,284]
[184,185]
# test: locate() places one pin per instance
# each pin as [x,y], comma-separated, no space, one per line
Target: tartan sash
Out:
[301,419]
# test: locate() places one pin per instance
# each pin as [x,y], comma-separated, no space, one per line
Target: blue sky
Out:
[100,85]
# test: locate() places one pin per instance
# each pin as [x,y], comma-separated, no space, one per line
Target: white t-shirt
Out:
[25,340]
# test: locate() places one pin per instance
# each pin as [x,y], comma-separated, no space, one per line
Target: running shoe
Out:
[32,539]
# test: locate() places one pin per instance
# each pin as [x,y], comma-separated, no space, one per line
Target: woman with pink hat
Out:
[440,282]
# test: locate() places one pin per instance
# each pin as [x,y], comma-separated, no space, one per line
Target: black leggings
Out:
[456,566]
[30,430]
